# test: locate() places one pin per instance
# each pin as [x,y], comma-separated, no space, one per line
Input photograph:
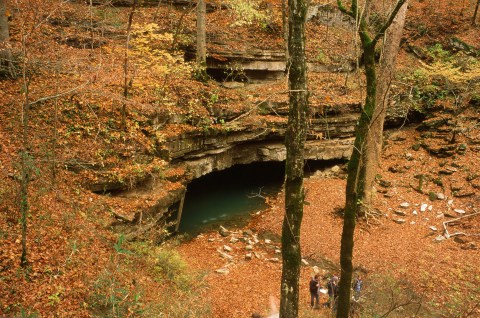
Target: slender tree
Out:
[25,161]
[294,141]
[201,39]
[474,18]
[357,189]
[125,66]
[5,51]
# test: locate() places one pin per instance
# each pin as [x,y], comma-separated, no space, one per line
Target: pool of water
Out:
[228,197]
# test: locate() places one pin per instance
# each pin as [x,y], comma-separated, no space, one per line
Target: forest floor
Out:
[80,266]
[444,274]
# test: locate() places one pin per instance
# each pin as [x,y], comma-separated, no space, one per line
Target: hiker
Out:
[314,286]
[332,287]
[357,287]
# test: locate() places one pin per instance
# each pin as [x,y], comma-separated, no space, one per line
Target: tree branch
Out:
[43,99]
[342,9]
[392,16]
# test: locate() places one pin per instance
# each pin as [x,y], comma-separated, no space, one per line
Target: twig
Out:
[448,235]
[43,99]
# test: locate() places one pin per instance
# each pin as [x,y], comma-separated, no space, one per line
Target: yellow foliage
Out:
[451,72]
[149,51]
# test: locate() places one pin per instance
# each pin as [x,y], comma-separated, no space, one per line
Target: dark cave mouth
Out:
[229,197]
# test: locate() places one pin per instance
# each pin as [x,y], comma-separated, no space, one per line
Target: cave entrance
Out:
[228,197]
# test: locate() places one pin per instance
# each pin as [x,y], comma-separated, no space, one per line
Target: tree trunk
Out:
[357,184]
[126,83]
[374,140]
[25,163]
[6,65]
[201,39]
[474,19]
[294,141]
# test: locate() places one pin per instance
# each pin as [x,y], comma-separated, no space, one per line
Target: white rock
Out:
[440,215]
[227,248]
[305,262]
[267,241]
[423,207]
[459,211]
[223,271]
[399,221]
[433,228]
[223,231]
[450,202]
[430,208]
[233,240]
[412,223]
[277,251]
[248,256]
[225,255]
[274,260]
[211,239]
[401,213]
[335,169]
[316,270]
[248,247]
[440,196]
[439,238]
[415,212]
[404,204]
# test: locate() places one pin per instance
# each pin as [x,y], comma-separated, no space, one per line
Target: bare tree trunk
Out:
[373,143]
[294,141]
[474,19]
[125,67]
[356,180]
[201,40]
[25,162]
[5,51]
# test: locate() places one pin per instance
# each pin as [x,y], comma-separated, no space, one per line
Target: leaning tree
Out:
[368,140]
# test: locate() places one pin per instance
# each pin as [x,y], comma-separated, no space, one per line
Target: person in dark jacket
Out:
[332,287]
[314,296]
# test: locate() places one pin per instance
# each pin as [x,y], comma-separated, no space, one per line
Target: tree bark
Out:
[25,161]
[474,18]
[294,141]
[201,39]
[6,63]
[357,185]
[125,67]
[374,140]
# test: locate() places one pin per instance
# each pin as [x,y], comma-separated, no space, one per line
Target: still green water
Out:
[227,198]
